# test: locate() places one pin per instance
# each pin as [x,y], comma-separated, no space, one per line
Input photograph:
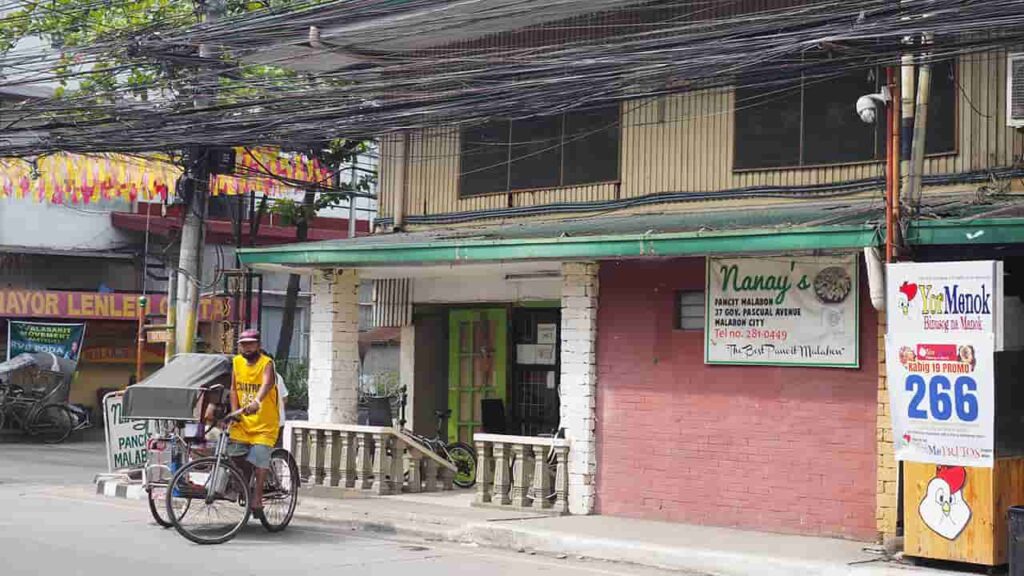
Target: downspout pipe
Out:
[890,180]
[907,84]
[398,207]
[924,83]
[876,277]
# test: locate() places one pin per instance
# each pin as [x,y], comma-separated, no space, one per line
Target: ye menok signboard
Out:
[944,326]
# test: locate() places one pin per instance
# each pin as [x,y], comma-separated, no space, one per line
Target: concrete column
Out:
[334,347]
[887,475]
[579,380]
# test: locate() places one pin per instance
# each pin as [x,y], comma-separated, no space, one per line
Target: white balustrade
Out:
[381,459]
[522,472]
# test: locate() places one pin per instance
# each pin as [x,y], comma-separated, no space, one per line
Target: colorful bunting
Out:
[82,179]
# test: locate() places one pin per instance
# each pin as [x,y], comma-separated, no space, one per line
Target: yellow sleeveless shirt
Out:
[261,427]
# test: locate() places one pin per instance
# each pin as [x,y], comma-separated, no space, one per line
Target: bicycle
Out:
[53,422]
[461,454]
[215,489]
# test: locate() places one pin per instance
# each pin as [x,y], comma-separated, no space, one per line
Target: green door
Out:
[476,366]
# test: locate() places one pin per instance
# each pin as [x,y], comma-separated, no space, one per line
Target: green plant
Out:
[295,372]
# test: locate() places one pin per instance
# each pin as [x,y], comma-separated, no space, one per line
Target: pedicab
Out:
[34,389]
[191,481]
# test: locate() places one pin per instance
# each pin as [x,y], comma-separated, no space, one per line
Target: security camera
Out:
[867,105]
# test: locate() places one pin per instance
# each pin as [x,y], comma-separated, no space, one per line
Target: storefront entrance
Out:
[503,371]
[477,366]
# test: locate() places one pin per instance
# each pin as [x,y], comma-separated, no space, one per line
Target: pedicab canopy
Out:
[40,372]
[173,392]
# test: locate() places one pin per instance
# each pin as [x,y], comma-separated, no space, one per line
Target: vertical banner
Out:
[126,439]
[61,340]
[942,392]
[944,323]
[790,311]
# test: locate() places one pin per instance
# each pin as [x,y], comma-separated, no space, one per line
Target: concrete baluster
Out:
[381,485]
[364,461]
[520,469]
[541,478]
[347,460]
[562,480]
[484,463]
[501,480]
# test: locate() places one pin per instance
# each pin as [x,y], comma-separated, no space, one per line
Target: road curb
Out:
[119,487]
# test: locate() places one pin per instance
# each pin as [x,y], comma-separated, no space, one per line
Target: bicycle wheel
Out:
[52,423]
[464,458]
[208,504]
[281,492]
[157,496]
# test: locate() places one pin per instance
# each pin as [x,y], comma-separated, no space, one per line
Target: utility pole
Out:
[197,183]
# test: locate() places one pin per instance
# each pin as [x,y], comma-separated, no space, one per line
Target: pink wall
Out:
[766,448]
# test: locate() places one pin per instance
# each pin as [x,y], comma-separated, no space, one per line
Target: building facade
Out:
[555,265]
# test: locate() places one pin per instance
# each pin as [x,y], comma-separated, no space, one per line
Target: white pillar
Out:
[579,380]
[334,347]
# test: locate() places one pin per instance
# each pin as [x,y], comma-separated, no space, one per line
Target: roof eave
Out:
[353,254]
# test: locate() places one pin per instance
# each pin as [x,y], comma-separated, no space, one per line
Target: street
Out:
[53,523]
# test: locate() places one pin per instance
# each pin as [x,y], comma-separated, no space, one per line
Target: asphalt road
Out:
[52,523]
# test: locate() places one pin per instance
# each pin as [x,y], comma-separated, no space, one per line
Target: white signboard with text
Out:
[788,311]
[942,393]
[126,439]
[945,298]
[944,324]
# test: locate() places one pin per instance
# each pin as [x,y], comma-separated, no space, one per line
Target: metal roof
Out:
[828,226]
[764,229]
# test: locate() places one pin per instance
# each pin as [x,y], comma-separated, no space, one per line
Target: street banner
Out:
[15,303]
[126,439]
[786,311]
[945,298]
[61,340]
[942,394]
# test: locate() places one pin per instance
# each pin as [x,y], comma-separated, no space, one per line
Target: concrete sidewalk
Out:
[449,517]
[717,551]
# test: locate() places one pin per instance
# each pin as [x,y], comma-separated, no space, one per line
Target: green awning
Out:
[822,227]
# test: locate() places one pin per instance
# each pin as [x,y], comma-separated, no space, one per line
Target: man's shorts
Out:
[256,454]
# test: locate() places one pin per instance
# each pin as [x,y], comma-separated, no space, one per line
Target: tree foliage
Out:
[92,44]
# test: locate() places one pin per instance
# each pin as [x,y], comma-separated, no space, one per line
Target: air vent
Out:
[1015,90]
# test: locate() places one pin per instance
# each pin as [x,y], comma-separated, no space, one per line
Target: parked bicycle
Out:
[461,454]
[32,389]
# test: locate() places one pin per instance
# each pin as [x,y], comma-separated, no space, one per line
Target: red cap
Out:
[249,336]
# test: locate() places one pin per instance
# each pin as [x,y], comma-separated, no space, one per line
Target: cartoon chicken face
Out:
[908,292]
[943,508]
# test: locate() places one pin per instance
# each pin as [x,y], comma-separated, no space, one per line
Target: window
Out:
[813,121]
[566,150]
[690,306]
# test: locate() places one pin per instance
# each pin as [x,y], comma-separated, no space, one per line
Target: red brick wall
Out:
[766,448]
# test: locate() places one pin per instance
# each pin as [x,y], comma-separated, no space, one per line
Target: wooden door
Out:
[476,366]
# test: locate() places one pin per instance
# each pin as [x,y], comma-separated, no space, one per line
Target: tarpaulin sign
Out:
[61,340]
[944,325]
[943,402]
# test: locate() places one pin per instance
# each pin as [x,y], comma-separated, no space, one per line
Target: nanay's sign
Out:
[96,306]
[126,439]
[944,325]
[946,298]
[799,311]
